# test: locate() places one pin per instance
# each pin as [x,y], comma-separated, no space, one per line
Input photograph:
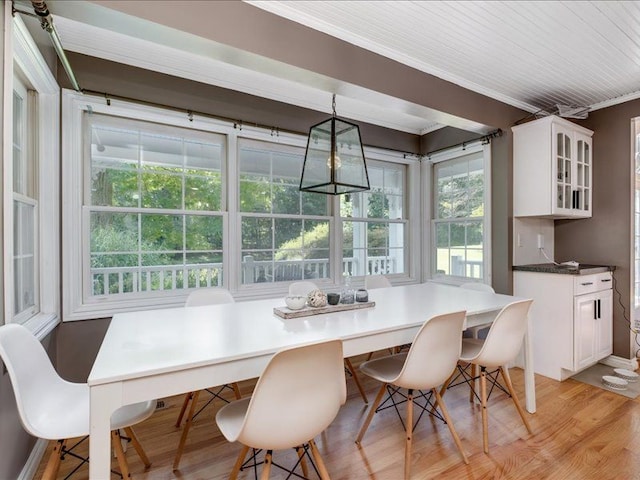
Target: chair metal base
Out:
[491,376]
[430,407]
[60,451]
[308,451]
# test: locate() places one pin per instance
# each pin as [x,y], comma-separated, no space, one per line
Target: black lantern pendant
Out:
[334,161]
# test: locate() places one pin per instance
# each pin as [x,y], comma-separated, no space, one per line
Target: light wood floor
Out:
[580,432]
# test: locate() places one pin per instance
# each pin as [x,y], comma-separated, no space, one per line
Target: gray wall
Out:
[606,237]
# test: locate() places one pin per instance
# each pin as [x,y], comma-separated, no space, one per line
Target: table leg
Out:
[529,378]
[105,399]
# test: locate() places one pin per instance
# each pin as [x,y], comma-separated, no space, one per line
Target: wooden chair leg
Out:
[236,390]
[483,400]
[445,385]
[238,464]
[512,392]
[303,463]
[138,446]
[53,465]
[185,430]
[185,403]
[347,362]
[408,435]
[322,468]
[266,467]
[116,443]
[472,385]
[372,411]
[447,419]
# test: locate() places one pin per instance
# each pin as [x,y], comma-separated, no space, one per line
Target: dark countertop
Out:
[582,269]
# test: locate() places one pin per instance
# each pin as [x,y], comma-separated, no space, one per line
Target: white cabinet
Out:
[593,328]
[571,320]
[552,169]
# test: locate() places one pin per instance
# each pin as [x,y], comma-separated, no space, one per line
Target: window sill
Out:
[42,324]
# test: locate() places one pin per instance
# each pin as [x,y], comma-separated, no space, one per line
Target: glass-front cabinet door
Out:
[563,162]
[582,194]
[572,164]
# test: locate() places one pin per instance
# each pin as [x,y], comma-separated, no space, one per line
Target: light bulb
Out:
[338,162]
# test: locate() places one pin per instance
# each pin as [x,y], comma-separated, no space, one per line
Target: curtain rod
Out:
[484,139]
[190,113]
[46,22]
[237,123]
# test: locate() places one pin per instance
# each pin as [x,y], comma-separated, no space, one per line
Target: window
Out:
[460,215]
[285,233]
[31,172]
[154,203]
[636,218]
[157,202]
[374,223]
[26,301]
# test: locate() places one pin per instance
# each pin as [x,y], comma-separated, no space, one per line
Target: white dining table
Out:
[157,353]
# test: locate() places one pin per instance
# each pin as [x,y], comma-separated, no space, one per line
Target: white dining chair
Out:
[296,398]
[208,296]
[303,288]
[198,298]
[501,347]
[428,363]
[52,408]
[376,281]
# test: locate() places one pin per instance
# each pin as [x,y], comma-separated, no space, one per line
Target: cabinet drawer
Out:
[592,283]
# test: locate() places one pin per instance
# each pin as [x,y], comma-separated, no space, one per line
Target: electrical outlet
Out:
[540,240]
[636,324]
[519,240]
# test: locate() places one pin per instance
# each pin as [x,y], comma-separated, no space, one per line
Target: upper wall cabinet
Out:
[552,169]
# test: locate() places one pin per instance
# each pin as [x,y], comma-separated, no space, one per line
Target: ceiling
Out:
[529,54]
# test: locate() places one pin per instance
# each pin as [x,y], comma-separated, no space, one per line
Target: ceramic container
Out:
[333,298]
[295,302]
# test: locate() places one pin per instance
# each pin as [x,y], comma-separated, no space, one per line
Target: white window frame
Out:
[409,206]
[79,307]
[430,239]
[76,305]
[272,288]
[89,208]
[635,223]
[28,197]
[24,59]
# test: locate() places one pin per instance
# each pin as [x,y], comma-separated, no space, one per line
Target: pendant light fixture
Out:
[334,161]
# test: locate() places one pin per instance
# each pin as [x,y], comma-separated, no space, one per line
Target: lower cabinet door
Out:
[593,328]
[604,337]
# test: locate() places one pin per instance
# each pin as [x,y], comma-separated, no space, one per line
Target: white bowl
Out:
[627,375]
[615,383]
[295,302]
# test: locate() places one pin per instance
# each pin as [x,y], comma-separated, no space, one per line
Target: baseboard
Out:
[619,362]
[33,462]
